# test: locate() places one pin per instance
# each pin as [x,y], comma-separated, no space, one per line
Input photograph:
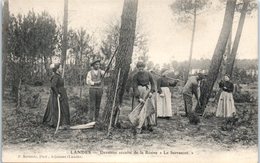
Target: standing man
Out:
[93,79]
[190,88]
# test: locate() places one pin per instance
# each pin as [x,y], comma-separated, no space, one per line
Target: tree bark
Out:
[80,76]
[192,41]
[5,40]
[207,86]
[123,57]
[227,54]
[18,105]
[224,64]
[42,67]
[46,65]
[231,58]
[65,32]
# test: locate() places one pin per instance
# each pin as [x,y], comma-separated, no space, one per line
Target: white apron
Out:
[226,106]
[164,108]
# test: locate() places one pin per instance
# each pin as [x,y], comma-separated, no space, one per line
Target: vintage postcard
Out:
[130,81]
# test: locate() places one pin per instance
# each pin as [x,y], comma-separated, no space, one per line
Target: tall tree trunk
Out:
[80,76]
[192,40]
[46,65]
[226,54]
[5,40]
[231,58]
[42,67]
[224,63]
[65,31]
[123,57]
[207,87]
[19,98]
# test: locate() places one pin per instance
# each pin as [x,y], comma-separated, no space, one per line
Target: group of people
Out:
[150,100]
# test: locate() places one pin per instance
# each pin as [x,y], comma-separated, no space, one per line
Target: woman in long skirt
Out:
[58,92]
[226,106]
[164,104]
[143,87]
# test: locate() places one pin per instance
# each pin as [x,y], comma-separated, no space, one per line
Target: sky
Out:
[167,39]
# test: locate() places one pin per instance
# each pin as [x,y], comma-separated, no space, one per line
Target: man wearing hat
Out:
[190,88]
[93,79]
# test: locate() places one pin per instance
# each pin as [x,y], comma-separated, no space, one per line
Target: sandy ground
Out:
[173,140]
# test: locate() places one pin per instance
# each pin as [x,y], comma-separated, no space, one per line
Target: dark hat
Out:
[95,61]
[201,76]
[140,64]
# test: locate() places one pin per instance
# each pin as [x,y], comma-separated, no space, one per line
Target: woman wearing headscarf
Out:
[226,106]
[58,92]
[164,107]
[143,88]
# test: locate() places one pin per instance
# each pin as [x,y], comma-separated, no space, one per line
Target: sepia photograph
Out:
[130,81]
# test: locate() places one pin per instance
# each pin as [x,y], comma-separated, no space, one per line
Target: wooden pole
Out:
[114,101]
[19,95]
[80,78]
[166,76]
[5,41]
[192,40]
[64,38]
[107,68]
[64,53]
[58,123]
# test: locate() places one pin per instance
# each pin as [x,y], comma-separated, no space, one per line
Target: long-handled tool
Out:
[114,102]
[58,100]
[58,123]
[108,66]
[166,76]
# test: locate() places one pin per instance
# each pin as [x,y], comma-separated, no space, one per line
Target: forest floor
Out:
[214,139]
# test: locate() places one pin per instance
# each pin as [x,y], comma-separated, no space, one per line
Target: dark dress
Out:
[164,82]
[226,86]
[51,113]
[143,79]
[143,84]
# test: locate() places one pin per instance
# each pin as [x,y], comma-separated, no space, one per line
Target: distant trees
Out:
[5,40]
[187,10]
[81,50]
[247,7]
[32,40]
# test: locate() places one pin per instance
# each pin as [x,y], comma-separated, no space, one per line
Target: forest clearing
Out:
[149,81]
[210,137]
